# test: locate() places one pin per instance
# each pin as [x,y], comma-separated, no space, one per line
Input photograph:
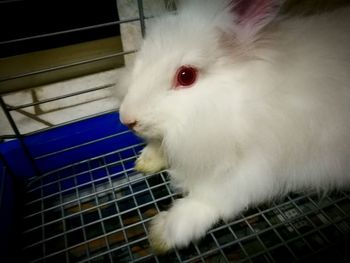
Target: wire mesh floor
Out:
[98,210]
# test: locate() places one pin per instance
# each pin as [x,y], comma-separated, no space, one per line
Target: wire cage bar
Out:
[99,210]
[86,203]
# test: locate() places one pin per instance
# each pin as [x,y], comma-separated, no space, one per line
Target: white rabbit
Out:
[242,105]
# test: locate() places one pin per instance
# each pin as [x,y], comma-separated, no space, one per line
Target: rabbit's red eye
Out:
[185,76]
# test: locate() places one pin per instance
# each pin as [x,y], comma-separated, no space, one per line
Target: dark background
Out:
[25,18]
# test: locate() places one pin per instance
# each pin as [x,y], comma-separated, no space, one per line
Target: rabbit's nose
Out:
[131,124]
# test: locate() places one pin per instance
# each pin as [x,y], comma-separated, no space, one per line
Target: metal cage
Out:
[69,193]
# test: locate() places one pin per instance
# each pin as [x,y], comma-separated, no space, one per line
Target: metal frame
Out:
[98,210]
[7,109]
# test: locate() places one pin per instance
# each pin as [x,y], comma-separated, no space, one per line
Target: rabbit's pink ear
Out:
[251,16]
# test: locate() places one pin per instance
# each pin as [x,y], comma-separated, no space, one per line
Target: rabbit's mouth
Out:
[147,132]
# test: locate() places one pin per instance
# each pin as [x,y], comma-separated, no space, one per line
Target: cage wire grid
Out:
[98,210]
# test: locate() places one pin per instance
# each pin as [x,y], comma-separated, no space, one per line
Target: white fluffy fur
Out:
[267,115]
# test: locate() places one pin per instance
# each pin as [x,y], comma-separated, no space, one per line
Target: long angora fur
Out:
[268,114]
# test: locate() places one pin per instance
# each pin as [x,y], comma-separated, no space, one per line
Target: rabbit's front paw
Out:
[151,160]
[186,221]
[157,234]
